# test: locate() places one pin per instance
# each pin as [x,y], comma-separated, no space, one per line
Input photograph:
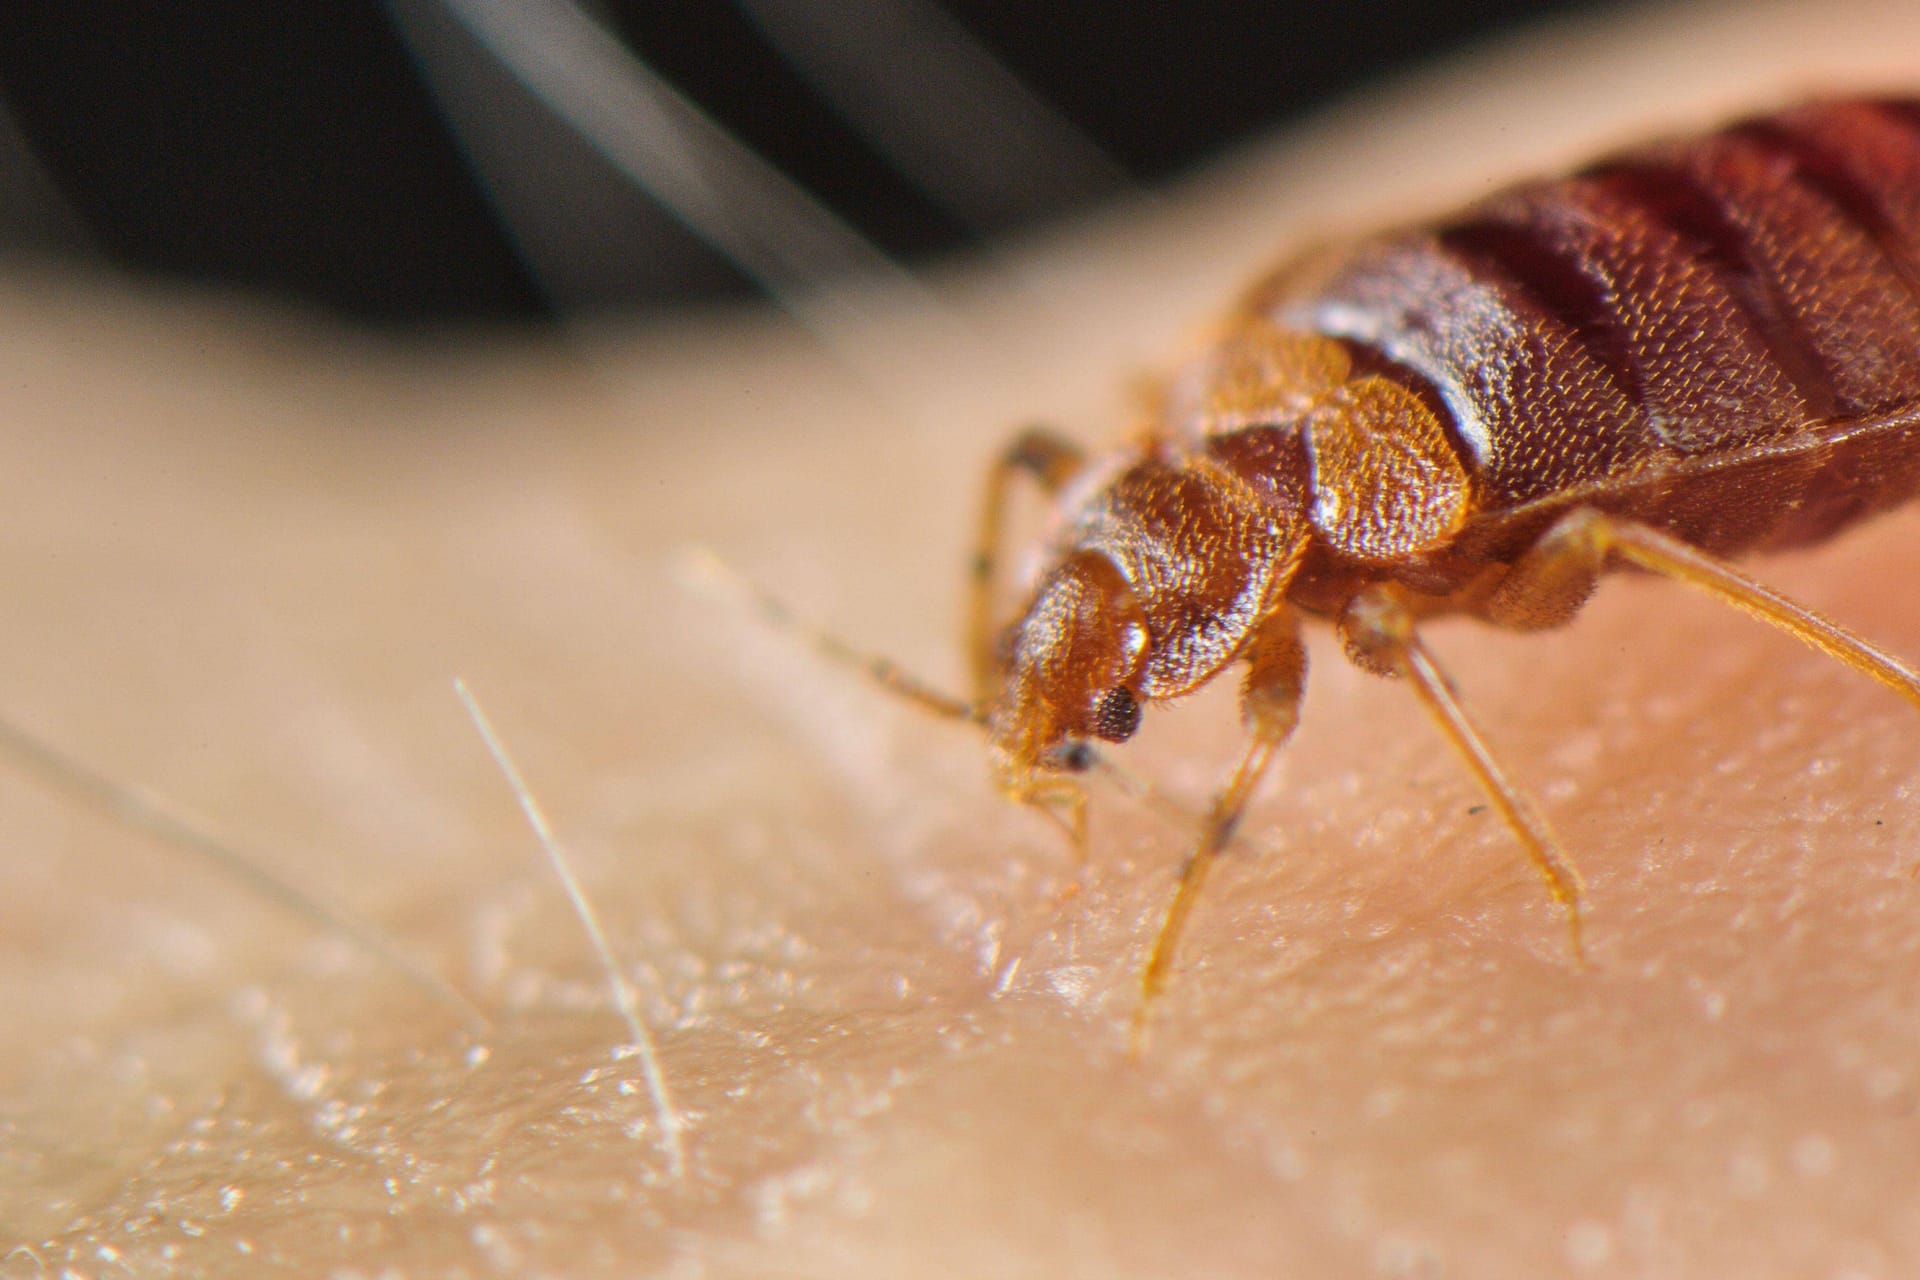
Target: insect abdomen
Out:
[1690,299]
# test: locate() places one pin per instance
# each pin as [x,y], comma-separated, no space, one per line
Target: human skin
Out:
[245,557]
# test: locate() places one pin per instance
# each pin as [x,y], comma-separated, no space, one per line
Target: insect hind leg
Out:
[1579,545]
[1378,629]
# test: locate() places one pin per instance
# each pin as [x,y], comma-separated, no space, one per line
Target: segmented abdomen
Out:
[1683,299]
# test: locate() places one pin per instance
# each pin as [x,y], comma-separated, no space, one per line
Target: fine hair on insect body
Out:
[1677,355]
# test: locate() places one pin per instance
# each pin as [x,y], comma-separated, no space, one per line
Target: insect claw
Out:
[1574,936]
[1137,1032]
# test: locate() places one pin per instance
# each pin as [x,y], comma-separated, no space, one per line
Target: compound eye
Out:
[1116,715]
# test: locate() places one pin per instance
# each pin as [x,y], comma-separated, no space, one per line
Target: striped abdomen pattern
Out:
[1688,298]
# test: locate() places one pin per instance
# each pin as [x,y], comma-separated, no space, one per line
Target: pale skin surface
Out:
[243,561]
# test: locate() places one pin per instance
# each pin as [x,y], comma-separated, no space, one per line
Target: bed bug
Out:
[1679,354]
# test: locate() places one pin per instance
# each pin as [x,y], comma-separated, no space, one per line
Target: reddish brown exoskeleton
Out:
[1685,352]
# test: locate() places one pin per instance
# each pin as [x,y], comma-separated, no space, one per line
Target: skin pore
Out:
[246,556]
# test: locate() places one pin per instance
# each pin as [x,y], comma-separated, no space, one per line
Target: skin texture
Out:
[245,556]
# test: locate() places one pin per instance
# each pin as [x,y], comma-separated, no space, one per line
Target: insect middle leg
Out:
[1270,708]
[1052,461]
[1378,629]
[1560,569]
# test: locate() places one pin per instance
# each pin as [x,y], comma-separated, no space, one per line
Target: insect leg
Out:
[1579,544]
[1051,460]
[1379,632]
[1270,705]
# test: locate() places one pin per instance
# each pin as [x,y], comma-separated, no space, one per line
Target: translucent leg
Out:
[1379,632]
[1661,554]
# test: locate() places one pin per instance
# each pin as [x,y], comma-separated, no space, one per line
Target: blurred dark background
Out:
[377,161]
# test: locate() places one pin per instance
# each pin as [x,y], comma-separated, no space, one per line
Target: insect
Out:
[1681,353]
[1678,354]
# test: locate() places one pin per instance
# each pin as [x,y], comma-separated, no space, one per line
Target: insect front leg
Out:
[1379,632]
[1051,460]
[1270,707]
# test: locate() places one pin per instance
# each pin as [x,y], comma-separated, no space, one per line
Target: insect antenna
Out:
[705,571]
[624,997]
[139,809]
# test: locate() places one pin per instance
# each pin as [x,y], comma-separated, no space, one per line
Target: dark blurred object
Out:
[375,160]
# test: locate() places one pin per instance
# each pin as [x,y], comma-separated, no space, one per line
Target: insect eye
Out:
[1116,715]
